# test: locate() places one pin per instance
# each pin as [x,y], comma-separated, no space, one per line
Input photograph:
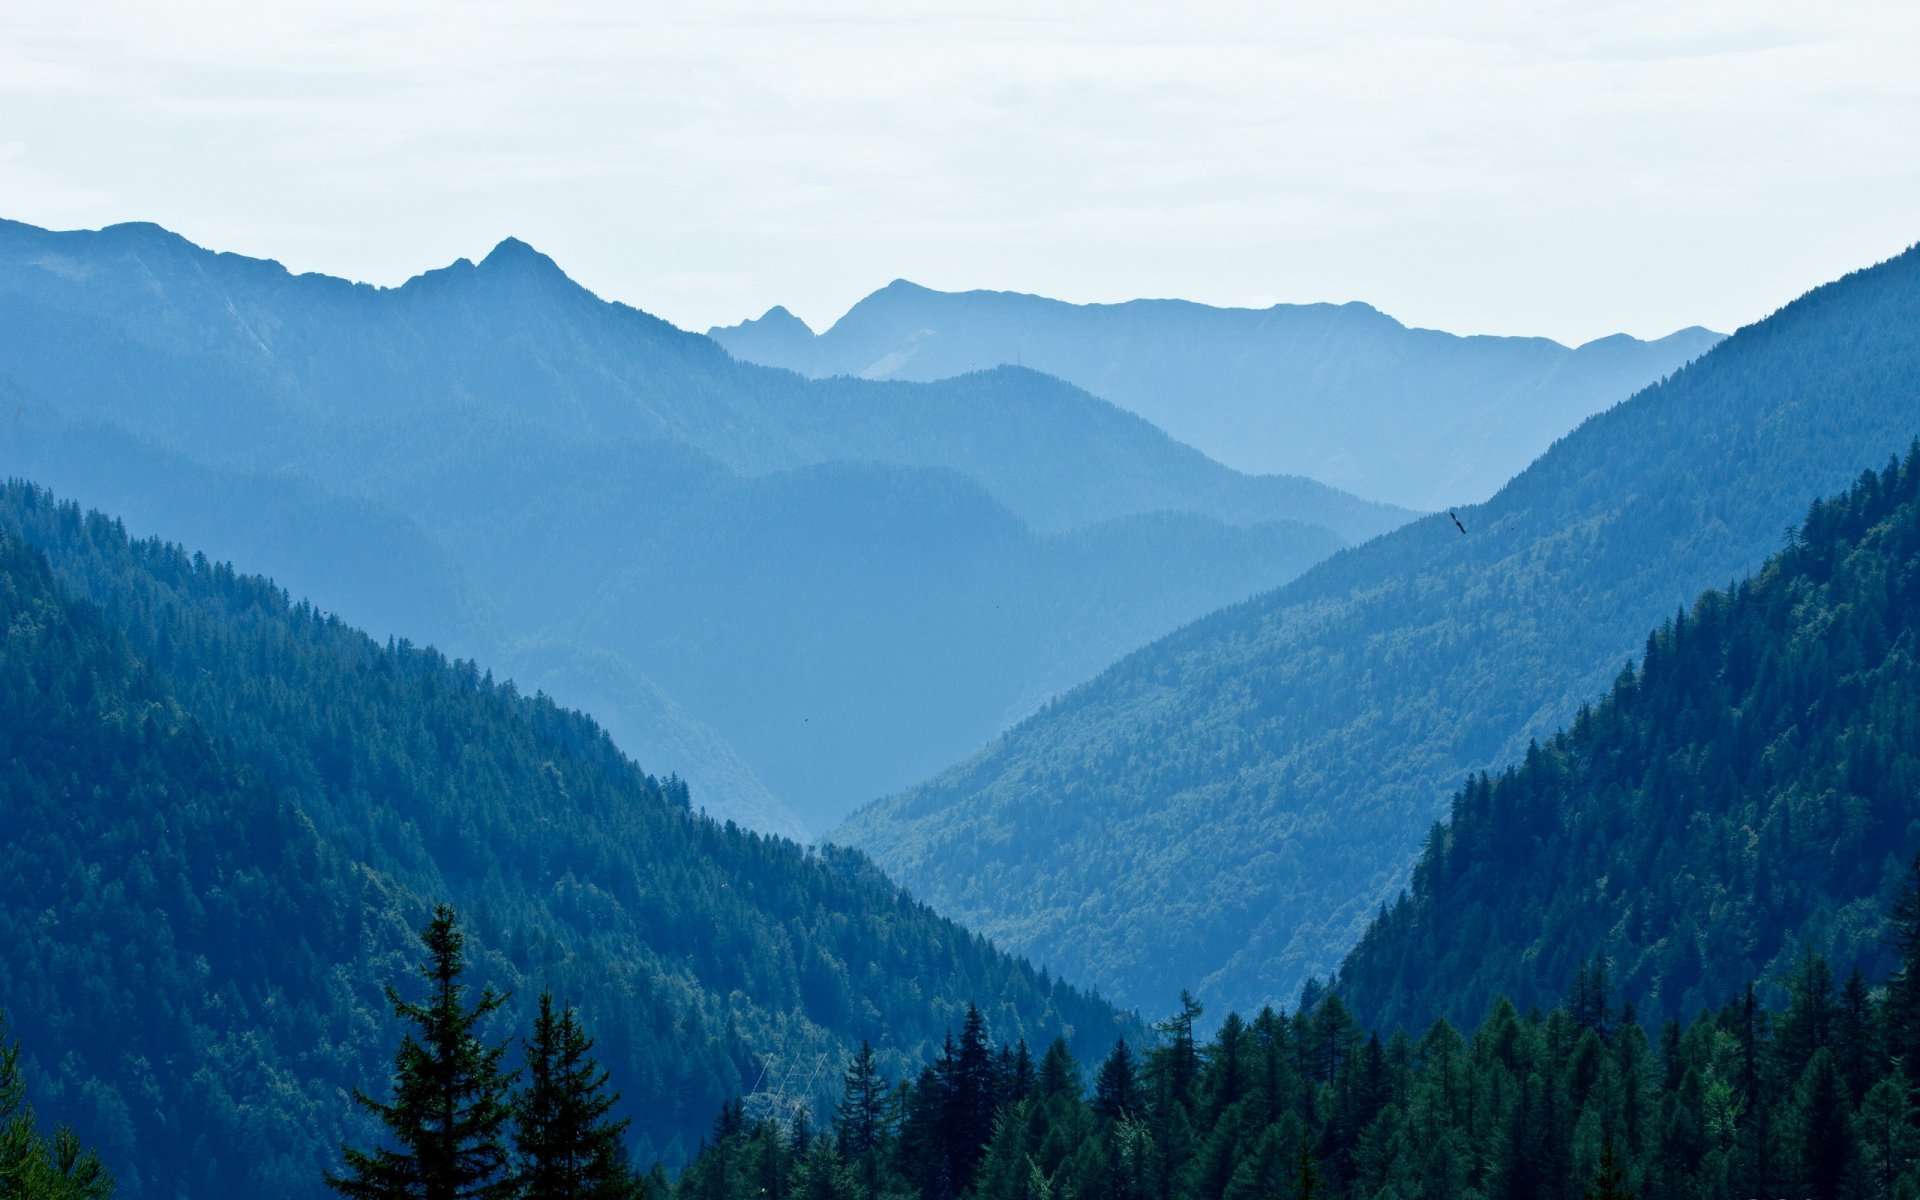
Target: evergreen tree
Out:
[1826,1143]
[1306,1175]
[565,1146]
[1116,1092]
[1610,1177]
[971,1087]
[1180,1062]
[31,1168]
[450,1102]
[861,1116]
[1902,1013]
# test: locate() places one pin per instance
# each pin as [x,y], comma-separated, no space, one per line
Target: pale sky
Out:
[1480,166]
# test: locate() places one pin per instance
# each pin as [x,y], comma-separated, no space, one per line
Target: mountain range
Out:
[1341,393]
[1226,808]
[802,594]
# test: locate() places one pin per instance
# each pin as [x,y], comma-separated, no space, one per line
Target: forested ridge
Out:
[1226,808]
[1750,788]
[230,810]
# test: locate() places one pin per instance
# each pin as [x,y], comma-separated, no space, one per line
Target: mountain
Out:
[1751,790]
[492,459]
[1337,392]
[1226,808]
[228,813]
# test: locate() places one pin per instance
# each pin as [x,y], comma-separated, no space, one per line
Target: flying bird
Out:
[1456,520]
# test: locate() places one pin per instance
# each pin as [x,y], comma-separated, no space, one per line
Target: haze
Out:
[1490,167]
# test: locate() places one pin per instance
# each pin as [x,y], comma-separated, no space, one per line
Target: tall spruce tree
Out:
[1116,1092]
[861,1118]
[1609,1177]
[566,1146]
[450,1105]
[971,1090]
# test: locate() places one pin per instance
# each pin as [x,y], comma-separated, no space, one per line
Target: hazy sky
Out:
[1567,169]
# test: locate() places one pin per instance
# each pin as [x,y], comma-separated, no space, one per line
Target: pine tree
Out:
[1902,1011]
[31,1168]
[1826,1142]
[1610,1177]
[1116,1092]
[450,1102]
[971,1087]
[1180,1061]
[1306,1176]
[860,1118]
[565,1145]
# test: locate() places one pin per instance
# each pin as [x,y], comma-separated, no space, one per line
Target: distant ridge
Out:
[796,594]
[1341,393]
[1226,808]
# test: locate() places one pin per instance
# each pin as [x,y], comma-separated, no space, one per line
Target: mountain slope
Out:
[231,810]
[1227,806]
[383,568]
[543,464]
[1340,393]
[1753,788]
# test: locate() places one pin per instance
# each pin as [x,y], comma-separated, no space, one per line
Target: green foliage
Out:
[1752,788]
[33,1166]
[449,1108]
[1228,807]
[566,1145]
[1530,1107]
[229,812]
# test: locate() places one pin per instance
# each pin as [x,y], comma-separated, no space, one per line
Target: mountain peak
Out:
[779,317]
[899,289]
[514,255]
[145,233]
[775,335]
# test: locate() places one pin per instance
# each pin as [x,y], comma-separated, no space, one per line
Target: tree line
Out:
[1814,1099]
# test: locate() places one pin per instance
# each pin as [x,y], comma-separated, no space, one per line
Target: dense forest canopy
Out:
[1752,787]
[231,810]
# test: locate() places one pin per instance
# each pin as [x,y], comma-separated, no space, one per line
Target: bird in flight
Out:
[1456,521]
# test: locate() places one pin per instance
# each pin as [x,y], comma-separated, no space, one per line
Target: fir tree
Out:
[1610,1177]
[1306,1175]
[1116,1092]
[31,1168]
[861,1119]
[450,1102]
[970,1088]
[1902,1013]
[566,1147]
